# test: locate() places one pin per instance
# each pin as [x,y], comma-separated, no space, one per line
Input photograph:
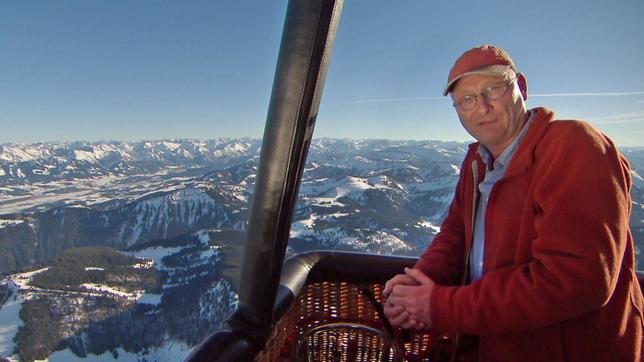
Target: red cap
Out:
[485,59]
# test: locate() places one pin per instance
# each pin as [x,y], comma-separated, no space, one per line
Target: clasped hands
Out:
[407,300]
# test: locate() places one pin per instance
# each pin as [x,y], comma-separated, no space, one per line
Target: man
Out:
[535,257]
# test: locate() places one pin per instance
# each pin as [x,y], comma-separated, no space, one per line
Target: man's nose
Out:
[483,104]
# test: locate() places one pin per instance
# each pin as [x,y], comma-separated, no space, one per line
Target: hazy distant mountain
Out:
[49,161]
[181,207]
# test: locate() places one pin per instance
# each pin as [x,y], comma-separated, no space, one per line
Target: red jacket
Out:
[559,279]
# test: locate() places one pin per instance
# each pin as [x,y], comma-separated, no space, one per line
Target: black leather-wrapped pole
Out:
[307,40]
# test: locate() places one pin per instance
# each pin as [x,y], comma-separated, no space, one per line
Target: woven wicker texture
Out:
[334,321]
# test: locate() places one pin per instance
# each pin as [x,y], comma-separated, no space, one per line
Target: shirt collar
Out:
[506,156]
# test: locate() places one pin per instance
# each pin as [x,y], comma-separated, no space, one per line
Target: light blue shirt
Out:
[492,175]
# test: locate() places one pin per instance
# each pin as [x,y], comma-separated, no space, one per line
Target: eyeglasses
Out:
[492,92]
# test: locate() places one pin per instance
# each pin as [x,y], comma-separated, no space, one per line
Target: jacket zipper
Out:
[475,174]
[475,199]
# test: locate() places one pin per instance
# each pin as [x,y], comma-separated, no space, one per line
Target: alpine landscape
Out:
[131,250]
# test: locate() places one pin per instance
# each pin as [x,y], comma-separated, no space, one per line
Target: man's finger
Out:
[396,299]
[392,310]
[403,290]
[417,276]
[399,320]
[410,323]
[398,279]
[392,283]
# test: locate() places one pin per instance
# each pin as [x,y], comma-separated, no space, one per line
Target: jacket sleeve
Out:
[582,205]
[443,261]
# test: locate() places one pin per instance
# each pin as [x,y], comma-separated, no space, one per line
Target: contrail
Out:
[417,99]
[632,117]
[599,94]
[391,100]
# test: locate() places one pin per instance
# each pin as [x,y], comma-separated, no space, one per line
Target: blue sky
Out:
[141,69]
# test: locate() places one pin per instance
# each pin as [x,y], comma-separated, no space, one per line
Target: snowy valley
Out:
[131,250]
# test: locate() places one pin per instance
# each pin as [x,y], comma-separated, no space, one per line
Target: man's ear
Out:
[523,86]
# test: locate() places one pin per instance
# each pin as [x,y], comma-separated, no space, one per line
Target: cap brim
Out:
[500,70]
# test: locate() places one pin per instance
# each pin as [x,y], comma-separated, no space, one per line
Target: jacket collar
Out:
[524,157]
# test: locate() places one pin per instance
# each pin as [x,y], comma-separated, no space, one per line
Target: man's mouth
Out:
[486,122]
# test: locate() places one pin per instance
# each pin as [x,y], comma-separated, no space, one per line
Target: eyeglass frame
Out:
[506,86]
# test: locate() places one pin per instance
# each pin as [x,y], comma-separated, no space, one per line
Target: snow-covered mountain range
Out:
[172,214]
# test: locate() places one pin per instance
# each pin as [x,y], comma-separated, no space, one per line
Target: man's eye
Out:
[467,100]
[492,89]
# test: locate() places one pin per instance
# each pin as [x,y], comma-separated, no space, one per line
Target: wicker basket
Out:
[333,321]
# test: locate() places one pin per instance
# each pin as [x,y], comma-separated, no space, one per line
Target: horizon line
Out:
[260,139]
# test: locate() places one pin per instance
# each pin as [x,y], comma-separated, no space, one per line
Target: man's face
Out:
[494,123]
